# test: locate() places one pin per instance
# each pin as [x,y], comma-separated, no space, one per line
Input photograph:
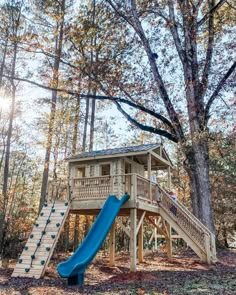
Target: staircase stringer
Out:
[194,246]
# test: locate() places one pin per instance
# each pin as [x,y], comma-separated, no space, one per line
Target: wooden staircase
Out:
[42,240]
[195,234]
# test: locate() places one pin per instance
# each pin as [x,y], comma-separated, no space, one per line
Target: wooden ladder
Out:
[42,241]
[195,233]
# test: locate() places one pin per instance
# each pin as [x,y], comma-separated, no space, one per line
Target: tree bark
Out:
[76,231]
[8,153]
[197,167]
[75,129]
[58,50]
[92,123]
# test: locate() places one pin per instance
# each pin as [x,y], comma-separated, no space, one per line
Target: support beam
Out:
[158,228]
[155,235]
[134,187]
[140,244]
[169,241]
[149,176]
[133,239]
[207,248]
[125,229]
[169,178]
[162,160]
[140,222]
[152,237]
[112,245]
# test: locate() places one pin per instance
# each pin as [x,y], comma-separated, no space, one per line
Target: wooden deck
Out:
[147,200]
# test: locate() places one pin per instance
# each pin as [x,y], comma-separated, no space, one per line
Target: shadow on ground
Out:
[183,275]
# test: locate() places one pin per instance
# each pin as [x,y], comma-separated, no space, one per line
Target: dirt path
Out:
[185,274]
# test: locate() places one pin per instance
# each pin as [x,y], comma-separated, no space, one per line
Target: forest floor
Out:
[184,274]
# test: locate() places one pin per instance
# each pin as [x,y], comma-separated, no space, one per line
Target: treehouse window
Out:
[105,169]
[81,172]
[92,170]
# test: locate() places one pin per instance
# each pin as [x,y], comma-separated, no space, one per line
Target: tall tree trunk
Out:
[93,109]
[75,129]
[86,120]
[58,50]
[74,149]
[8,152]
[3,59]
[198,171]
[92,123]
[76,231]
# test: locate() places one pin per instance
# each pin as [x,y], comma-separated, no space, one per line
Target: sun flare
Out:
[4,103]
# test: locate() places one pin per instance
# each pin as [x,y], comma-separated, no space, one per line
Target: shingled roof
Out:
[120,150]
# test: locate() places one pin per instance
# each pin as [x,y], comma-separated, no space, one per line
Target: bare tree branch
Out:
[41,85]
[128,20]
[100,97]
[134,105]
[209,52]
[163,92]
[145,127]
[174,32]
[211,11]
[217,90]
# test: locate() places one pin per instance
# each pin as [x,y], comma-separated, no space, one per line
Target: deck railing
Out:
[88,188]
[58,190]
[146,189]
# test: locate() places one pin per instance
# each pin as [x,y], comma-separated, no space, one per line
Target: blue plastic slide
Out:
[75,266]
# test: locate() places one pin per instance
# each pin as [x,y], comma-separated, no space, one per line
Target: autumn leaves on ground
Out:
[185,274]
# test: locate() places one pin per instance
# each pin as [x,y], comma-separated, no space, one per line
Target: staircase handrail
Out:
[189,213]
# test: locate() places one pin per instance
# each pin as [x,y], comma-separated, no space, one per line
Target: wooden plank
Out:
[26,275]
[148,207]
[140,243]
[57,237]
[125,229]
[149,176]
[155,155]
[169,241]
[133,239]
[112,245]
[157,227]
[140,222]
[37,269]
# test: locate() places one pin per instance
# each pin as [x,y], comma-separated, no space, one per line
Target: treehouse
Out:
[94,175]
[144,173]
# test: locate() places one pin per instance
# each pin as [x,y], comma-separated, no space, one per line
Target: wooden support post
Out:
[133,187]
[69,195]
[169,178]
[112,244]
[112,184]
[133,239]
[207,249]
[140,243]
[155,235]
[168,241]
[149,176]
